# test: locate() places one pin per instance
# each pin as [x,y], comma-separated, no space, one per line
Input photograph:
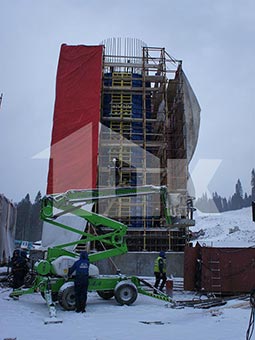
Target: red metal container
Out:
[225,270]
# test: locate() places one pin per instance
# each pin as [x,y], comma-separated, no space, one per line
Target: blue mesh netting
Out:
[136,134]
[137,99]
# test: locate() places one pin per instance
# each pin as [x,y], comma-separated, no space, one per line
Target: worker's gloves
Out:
[160,275]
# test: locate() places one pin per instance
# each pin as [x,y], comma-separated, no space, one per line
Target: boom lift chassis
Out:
[55,286]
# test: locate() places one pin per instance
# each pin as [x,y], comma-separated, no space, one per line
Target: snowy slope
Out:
[228,229]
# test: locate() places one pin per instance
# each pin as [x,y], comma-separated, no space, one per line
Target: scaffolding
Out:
[142,142]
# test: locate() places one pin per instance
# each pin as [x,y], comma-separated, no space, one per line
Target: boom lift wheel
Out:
[105,294]
[125,293]
[66,296]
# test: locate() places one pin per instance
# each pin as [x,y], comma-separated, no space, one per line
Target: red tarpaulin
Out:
[74,144]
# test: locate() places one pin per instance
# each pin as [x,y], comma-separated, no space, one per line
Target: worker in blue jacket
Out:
[81,280]
[160,271]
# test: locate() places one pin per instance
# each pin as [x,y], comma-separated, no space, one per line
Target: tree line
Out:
[237,201]
[29,225]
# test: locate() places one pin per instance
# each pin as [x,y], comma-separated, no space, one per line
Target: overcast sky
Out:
[215,39]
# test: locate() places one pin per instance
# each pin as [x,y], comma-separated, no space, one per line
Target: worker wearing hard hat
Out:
[160,272]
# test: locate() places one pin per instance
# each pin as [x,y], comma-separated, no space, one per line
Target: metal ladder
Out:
[215,275]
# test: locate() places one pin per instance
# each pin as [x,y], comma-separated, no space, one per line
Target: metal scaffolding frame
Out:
[142,141]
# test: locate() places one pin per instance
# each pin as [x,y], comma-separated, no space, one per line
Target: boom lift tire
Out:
[66,296]
[105,294]
[125,293]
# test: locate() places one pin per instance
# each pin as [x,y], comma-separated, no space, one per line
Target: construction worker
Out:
[160,272]
[81,281]
[19,263]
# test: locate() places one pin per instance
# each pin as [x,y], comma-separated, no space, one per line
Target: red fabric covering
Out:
[74,144]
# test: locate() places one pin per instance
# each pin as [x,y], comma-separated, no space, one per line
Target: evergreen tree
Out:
[36,222]
[239,189]
[23,219]
[237,198]
[225,206]
[218,201]
[206,205]
[202,203]
[247,200]
[29,225]
[230,203]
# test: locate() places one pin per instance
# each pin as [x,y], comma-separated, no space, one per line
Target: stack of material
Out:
[8,215]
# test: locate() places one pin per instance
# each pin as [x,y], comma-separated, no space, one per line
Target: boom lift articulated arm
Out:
[75,201]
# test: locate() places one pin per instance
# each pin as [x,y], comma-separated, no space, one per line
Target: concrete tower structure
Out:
[149,129]
[126,115]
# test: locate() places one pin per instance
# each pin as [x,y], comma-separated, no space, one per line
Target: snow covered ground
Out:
[147,318]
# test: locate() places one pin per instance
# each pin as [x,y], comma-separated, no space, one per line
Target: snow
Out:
[106,320]
[147,318]
[228,229]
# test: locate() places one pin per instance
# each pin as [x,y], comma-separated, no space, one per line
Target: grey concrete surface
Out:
[141,264]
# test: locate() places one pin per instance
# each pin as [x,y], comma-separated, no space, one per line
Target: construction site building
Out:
[143,141]
[147,132]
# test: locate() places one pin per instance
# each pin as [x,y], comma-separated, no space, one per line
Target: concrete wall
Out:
[142,263]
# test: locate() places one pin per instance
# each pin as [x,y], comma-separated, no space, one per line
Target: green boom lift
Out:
[51,279]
